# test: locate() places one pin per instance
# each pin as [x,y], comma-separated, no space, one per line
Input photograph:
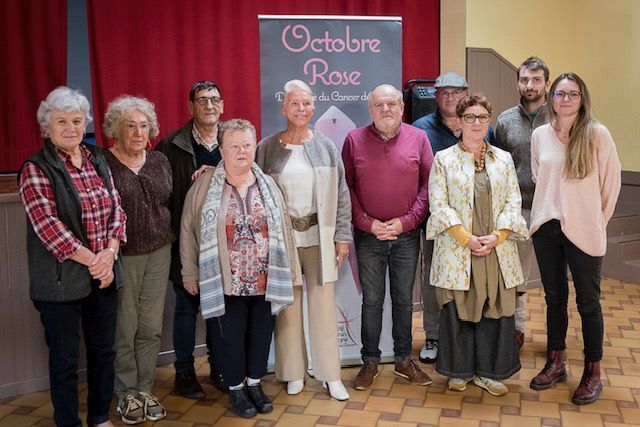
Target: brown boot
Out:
[552,372]
[590,386]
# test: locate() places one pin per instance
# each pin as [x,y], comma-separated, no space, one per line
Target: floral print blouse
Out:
[247,242]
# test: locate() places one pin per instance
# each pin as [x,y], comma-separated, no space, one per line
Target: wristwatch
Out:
[115,254]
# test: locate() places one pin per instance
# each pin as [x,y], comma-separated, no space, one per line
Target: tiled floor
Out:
[393,402]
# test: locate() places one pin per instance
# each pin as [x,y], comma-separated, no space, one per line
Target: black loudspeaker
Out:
[419,98]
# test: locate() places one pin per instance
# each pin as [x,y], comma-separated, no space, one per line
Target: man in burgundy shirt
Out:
[387,166]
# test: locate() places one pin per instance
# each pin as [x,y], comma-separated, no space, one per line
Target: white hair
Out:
[122,105]
[386,86]
[64,99]
[296,84]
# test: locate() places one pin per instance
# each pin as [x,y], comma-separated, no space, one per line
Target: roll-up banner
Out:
[342,58]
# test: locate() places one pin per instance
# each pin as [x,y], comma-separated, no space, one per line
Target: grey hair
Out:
[294,84]
[233,125]
[122,105]
[64,99]
[386,86]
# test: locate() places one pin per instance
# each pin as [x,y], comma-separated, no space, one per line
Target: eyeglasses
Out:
[559,95]
[471,118]
[204,101]
[450,94]
[132,126]
[247,146]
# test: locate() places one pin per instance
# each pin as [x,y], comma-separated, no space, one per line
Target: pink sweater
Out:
[583,206]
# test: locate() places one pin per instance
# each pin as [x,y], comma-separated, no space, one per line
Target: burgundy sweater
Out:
[388,179]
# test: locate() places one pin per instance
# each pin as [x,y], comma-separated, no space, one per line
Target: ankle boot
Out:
[241,404]
[553,371]
[590,386]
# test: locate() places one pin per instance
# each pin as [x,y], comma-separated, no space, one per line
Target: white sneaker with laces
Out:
[458,384]
[131,410]
[153,409]
[429,351]
[494,387]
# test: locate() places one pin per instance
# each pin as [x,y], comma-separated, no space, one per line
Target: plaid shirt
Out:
[38,197]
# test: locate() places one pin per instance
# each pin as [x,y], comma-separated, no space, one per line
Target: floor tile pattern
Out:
[393,402]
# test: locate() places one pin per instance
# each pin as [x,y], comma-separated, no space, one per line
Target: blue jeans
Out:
[401,257]
[96,314]
[184,329]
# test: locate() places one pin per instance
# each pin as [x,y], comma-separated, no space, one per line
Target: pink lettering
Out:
[299,32]
[317,69]
[301,35]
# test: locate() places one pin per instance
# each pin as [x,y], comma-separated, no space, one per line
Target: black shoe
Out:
[186,384]
[217,381]
[241,404]
[262,402]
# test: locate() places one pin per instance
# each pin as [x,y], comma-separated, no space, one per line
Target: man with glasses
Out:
[188,148]
[443,129]
[387,214]
[513,134]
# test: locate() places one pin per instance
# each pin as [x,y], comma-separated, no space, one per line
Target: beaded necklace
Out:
[479,165]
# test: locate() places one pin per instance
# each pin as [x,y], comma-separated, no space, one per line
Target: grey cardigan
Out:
[332,193]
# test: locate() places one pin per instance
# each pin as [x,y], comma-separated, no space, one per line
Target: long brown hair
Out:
[580,149]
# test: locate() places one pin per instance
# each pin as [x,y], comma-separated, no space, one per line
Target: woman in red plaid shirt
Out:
[75,228]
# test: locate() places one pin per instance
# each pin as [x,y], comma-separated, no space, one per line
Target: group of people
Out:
[237,226]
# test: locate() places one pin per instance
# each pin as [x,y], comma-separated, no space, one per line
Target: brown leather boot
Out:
[590,386]
[552,372]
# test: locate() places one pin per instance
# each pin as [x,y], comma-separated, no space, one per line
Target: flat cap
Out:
[451,80]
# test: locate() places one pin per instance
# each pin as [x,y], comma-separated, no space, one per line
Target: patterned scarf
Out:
[279,279]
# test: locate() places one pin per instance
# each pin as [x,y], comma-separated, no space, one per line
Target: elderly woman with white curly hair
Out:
[144,181]
[74,230]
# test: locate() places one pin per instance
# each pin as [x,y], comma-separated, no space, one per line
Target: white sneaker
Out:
[429,351]
[295,387]
[131,410]
[458,384]
[494,387]
[337,390]
[153,409]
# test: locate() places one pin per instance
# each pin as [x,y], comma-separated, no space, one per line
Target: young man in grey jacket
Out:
[513,134]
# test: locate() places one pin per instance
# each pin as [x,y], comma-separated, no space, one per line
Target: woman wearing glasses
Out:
[577,173]
[144,181]
[475,221]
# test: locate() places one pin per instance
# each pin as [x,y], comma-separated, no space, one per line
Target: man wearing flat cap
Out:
[443,129]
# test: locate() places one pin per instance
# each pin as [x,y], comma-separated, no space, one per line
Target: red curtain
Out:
[158,49]
[33,54]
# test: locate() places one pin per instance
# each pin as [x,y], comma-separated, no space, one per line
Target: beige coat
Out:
[190,232]
[451,203]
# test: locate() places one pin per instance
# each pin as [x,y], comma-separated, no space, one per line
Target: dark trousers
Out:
[96,314]
[486,348]
[185,313]
[401,257]
[554,252]
[241,337]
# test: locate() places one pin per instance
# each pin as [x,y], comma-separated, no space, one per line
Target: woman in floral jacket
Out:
[475,219]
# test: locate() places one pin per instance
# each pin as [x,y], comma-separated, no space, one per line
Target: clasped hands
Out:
[482,245]
[101,267]
[388,230]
